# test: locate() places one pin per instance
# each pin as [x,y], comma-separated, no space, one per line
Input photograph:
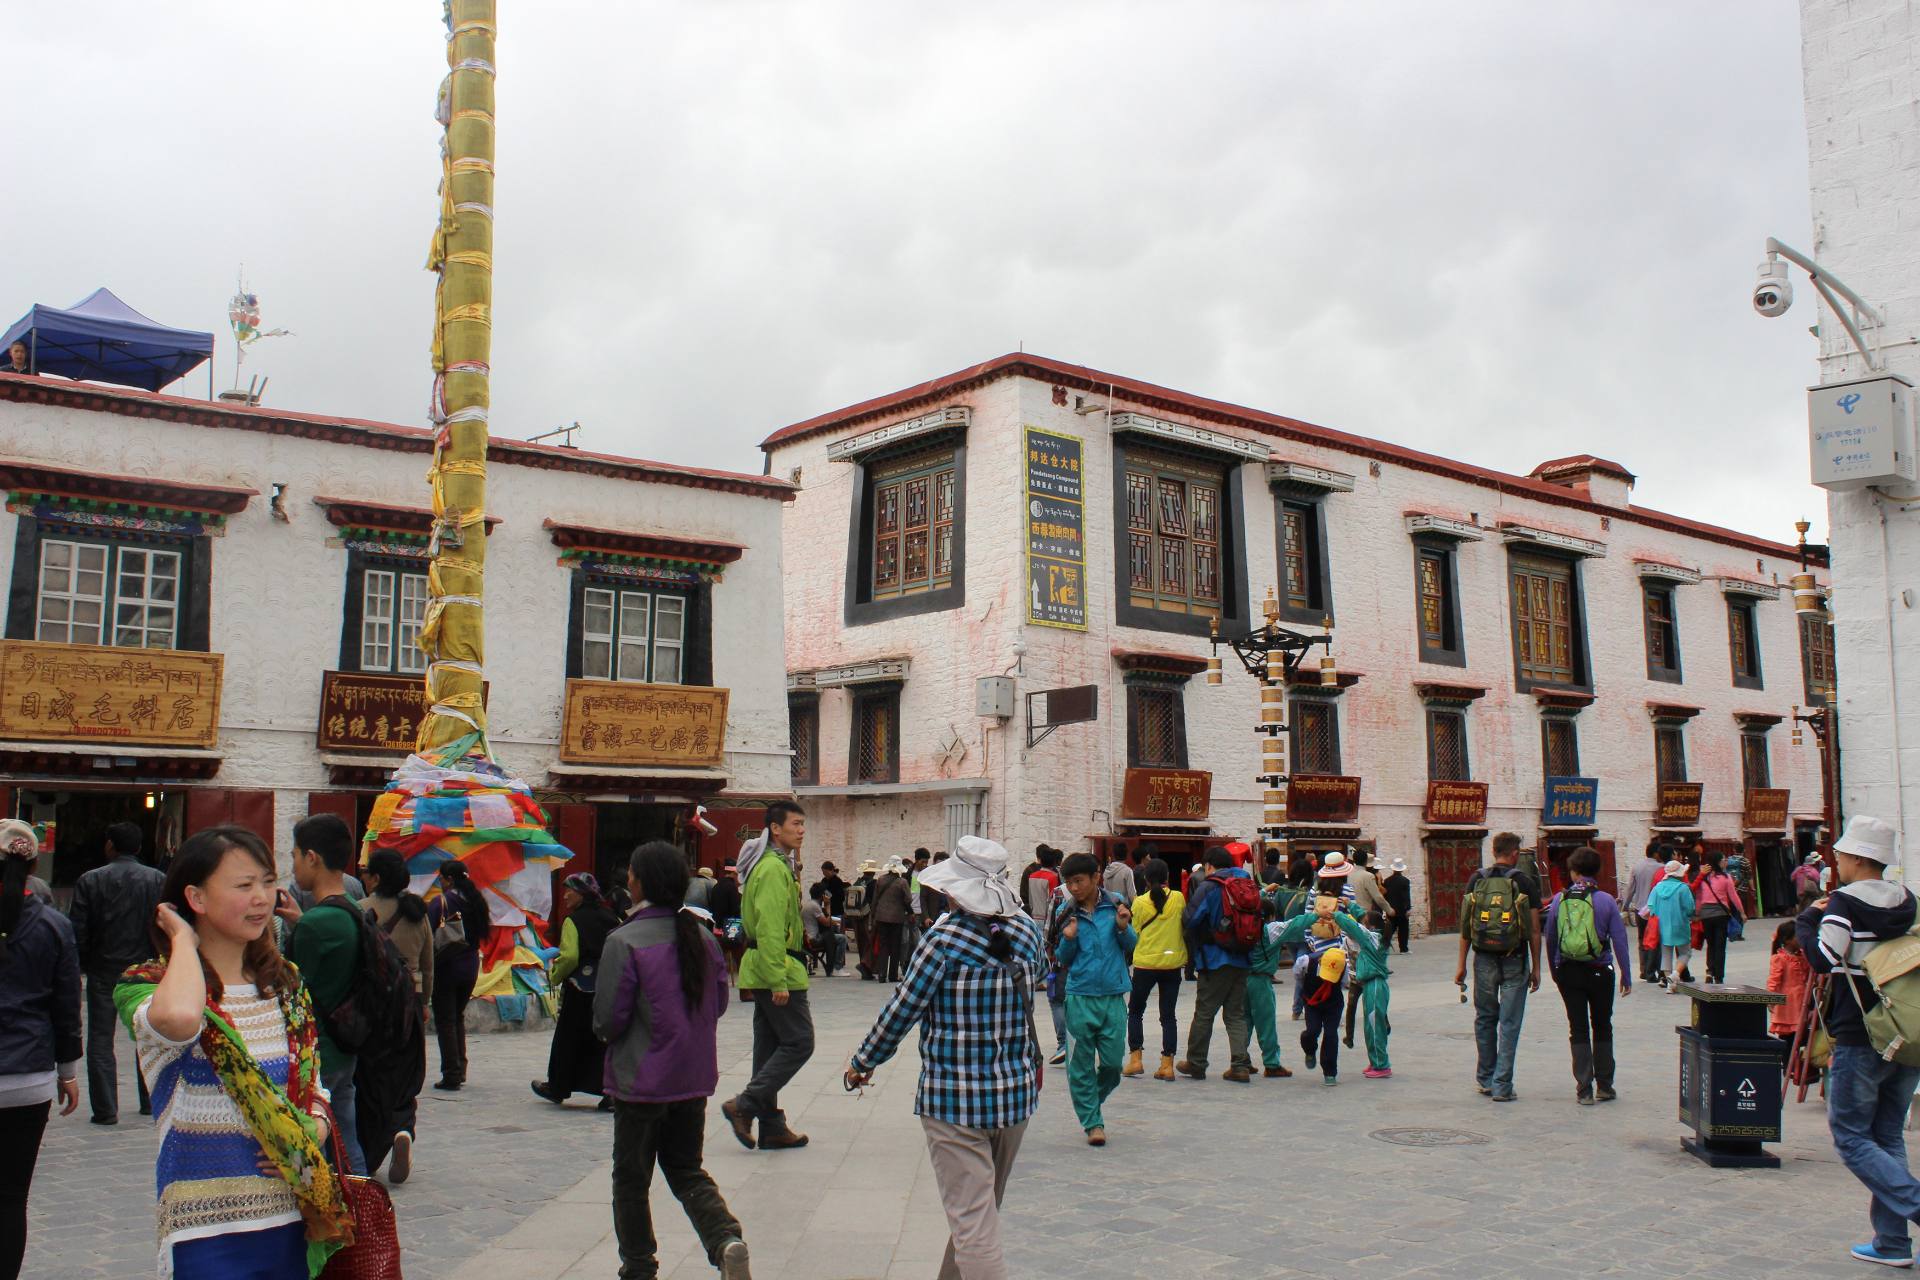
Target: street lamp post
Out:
[1272,655]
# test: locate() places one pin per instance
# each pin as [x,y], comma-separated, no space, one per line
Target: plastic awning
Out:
[102,339]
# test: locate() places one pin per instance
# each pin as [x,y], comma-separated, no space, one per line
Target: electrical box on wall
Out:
[993,696]
[1861,432]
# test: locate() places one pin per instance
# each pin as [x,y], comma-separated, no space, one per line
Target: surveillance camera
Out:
[1774,292]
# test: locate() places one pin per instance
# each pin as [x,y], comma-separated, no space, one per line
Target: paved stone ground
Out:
[1272,1179]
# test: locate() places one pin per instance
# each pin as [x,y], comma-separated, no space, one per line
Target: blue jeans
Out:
[1867,1100]
[346,1114]
[1499,1006]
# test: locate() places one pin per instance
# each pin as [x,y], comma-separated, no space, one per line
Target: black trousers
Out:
[1320,1041]
[103,1078]
[782,1043]
[889,960]
[1402,929]
[671,1135]
[1145,983]
[1587,991]
[1713,933]
[450,997]
[20,1132]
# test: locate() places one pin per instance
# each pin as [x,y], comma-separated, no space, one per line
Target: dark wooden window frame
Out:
[860,607]
[1453,653]
[353,609]
[191,633]
[1677,728]
[1298,702]
[1547,724]
[861,696]
[1756,740]
[1650,588]
[1457,715]
[1815,694]
[1518,558]
[696,659]
[1312,506]
[1173,686]
[1233,545]
[808,704]
[1742,610]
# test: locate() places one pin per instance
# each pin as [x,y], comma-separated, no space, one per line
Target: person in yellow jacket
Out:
[1158,958]
[773,974]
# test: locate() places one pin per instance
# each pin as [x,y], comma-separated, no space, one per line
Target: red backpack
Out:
[1240,921]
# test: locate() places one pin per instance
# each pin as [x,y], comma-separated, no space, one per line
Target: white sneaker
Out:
[733,1261]
[400,1165]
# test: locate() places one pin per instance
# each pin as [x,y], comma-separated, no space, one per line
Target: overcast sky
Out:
[1502,232]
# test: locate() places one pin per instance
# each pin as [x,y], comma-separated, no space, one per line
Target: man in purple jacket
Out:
[1584,964]
[658,997]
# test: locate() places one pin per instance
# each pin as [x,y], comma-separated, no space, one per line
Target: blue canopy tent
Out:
[103,339]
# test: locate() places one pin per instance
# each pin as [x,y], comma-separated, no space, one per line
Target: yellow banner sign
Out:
[616,723]
[91,693]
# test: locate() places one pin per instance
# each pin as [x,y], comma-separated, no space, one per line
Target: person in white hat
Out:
[1867,1095]
[1399,893]
[970,988]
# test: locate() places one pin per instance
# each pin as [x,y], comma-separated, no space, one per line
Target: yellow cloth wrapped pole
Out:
[454,637]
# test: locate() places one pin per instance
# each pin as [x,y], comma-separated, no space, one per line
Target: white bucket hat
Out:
[1870,838]
[975,879]
[1399,864]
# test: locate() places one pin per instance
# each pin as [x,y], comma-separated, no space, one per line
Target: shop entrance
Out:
[79,819]
[1773,859]
[1450,864]
[1555,849]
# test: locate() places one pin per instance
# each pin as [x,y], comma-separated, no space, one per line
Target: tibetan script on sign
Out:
[1461,803]
[1323,797]
[91,693]
[1182,795]
[1678,804]
[616,723]
[1570,802]
[362,712]
[1767,807]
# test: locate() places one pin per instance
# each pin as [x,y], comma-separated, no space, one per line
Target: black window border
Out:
[353,609]
[1456,654]
[1233,546]
[1319,566]
[1748,606]
[193,635]
[858,695]
[810,699]
[697,657]
[1675,674]
[1331,702]
[859,607]
[1133,682]
[1816,697]
[1466,742]
[1582,655]
[1546,753]
[1686,769]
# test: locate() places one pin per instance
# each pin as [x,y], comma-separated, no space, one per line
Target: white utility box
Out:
[993,696]
[1861,432]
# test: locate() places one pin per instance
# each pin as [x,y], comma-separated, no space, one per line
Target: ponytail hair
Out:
[661,869]
[1156,873]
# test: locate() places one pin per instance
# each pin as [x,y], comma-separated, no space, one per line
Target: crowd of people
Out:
[280,1031]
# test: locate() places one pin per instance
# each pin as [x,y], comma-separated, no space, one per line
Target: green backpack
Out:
[1495,922]
[1573,925]
[1893,1025]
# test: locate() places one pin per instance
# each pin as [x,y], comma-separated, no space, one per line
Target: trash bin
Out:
[1730,1071]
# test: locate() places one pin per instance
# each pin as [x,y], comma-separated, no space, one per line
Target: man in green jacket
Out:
[773,974]
[326,948]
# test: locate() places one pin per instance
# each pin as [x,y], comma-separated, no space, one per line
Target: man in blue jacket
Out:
[1096,945]
[1223,977]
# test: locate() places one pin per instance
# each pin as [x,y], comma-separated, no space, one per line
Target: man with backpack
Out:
[326,946]
[1860,934]
[1223,926]
[1586,945]
[1500,926]
[1096,942]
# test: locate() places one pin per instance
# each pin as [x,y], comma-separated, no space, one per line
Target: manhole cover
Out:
[1429,1137]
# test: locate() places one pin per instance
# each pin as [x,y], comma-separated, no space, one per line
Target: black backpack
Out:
[380,1007]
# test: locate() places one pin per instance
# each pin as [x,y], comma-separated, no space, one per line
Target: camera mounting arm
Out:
[1857,314]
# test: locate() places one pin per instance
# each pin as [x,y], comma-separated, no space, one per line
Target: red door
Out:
[1609,869]
[573,826]
[1449,867]
[215,807]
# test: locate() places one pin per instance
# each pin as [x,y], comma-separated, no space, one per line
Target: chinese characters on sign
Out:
[1570,802]
[83,693]
[616,723]
[1056,531]
[1316,797]
[1678,804]
[1767,807]
[370,712]
[1458,803]
[1184,795]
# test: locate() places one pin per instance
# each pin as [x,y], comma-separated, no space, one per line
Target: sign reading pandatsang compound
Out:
[93,693]
[616,723]
[1056,531]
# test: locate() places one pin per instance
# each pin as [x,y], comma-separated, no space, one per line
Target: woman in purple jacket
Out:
[1585,963]
[658,997]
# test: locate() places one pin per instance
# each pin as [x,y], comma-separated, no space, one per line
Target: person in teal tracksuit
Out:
[1096,945]
[1262,963]
[1369,972]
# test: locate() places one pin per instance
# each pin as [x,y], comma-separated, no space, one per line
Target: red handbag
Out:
[375,1251]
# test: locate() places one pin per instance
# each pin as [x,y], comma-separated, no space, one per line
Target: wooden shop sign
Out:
[95,693]
[1458,803]
[1317,797]
[616,723]
[1678,804]
[1184,795]
[1767,808]
[362,712]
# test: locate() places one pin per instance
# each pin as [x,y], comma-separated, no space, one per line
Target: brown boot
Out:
[1097,1136]
[741,1122]
[1187,1069]
[1134,1066]
[1277,1073]
[1238,1075]
[1166,1067]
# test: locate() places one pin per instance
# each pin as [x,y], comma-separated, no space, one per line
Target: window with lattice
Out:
[1303,562]
[1756,772]
[1663,635]
[1669,754]
[1314,729]
[1545,622]
[1437,612]
[1743,642]
[1447,747]
[1156,727]
[109,594]
[1816,658]
[1560,747]
[875,754]
[803,734]
[1174,520]
[913,509]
